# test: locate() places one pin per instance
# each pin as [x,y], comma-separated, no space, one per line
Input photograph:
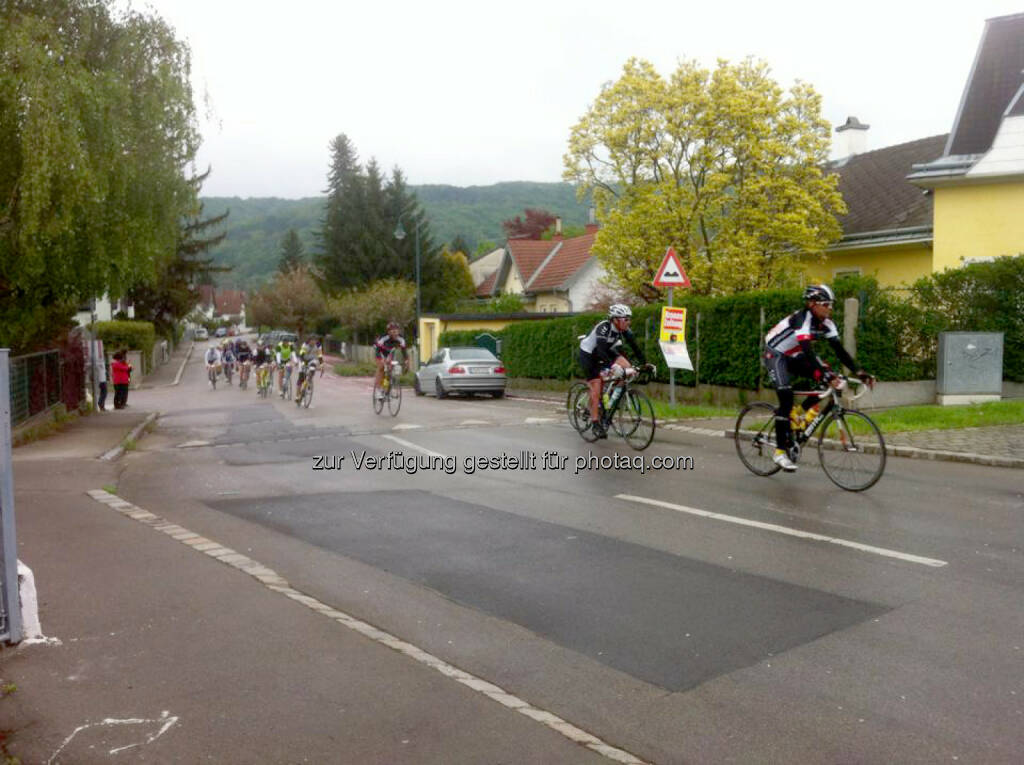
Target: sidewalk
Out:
[1001,446]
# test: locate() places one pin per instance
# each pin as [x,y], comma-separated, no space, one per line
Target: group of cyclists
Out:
[788,353]
[235,354]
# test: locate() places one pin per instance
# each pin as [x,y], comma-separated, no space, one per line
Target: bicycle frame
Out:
[831,400]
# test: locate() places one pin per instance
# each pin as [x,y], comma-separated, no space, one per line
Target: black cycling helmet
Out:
[819,293]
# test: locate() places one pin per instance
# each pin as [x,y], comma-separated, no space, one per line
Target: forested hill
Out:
[257,224]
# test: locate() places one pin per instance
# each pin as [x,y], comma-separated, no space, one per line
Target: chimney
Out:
[591,226]
[851,139]
[558,230]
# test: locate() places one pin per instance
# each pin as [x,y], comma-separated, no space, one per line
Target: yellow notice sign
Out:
[673,338]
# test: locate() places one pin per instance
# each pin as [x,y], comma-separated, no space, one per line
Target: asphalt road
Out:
[665,632]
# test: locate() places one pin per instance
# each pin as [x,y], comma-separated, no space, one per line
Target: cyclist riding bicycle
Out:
[283,354]
[227,358]
[260,359]
[788,352]
[244,358]
[310,357]
[383,347]
[601,348]
[213,360]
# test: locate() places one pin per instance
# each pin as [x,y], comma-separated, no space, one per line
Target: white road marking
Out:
[272,581]
[474,422]
[411,445]
[407,426]
[784,530]
[538,420]
[164,718]
[193,444]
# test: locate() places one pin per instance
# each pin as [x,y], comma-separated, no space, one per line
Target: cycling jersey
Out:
[244,354]
[212,356]
[604,343]
[385,344]
[793,336]
[283,353]
[261,357]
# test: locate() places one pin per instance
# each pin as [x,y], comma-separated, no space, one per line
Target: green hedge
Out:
[131,335]
[897,329]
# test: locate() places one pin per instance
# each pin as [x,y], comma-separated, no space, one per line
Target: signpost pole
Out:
[671,370]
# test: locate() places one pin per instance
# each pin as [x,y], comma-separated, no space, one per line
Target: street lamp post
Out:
[400,235]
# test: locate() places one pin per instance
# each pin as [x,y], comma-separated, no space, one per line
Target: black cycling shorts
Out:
[591,364]
[782,368]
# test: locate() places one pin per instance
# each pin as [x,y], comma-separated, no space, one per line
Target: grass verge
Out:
[934,417]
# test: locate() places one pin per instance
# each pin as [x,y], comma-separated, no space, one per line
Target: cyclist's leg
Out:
[777,365]
[595,384]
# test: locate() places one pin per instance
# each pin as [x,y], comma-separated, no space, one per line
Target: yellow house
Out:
[947,200]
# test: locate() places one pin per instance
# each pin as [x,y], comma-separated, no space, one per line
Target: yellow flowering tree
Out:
[723,165]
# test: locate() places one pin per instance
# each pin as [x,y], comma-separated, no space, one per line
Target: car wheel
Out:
[498,393]
[439,388]
[416,386]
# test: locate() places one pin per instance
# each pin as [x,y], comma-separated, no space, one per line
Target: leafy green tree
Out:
[292,252]
[457,280]
[97,128]
[292,300]
[722,165]
[174,292]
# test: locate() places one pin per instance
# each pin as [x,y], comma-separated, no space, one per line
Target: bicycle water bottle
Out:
[615,394]
[606,400]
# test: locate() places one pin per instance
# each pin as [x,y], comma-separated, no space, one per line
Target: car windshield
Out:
[472,354]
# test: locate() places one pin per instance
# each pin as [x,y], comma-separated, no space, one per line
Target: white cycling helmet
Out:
[620,311]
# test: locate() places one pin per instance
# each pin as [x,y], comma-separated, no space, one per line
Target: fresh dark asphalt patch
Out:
[663,619]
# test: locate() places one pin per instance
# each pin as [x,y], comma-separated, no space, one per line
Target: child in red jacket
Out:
[121,375]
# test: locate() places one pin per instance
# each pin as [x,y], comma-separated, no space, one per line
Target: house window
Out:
[838,273]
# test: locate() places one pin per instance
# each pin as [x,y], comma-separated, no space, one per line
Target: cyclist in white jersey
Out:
[788,353]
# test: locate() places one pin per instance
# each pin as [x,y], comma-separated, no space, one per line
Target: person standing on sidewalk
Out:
[99,371]
[121,372]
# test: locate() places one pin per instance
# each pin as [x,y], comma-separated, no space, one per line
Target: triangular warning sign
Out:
[671,273]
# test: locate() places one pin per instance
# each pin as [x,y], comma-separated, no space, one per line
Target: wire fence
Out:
[41,381]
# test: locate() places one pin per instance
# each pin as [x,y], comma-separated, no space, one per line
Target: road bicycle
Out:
[624,410]
[286,383]
[262,381]
[244,369]
[851,449]
[228,366]
[390,388]
[304,389]
[211,373]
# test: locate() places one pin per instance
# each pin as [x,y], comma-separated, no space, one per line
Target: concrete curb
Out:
[118,450]
[909,452]
[181,369]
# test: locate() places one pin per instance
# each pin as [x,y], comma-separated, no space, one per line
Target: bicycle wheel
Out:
[755,438]
[851,450]
[378,398]
[570,407]
[579,412]
[634,419]
[394,397]
[307,396]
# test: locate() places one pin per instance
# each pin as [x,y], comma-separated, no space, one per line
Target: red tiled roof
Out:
[528,254]
[570,258]
[487,285]
[228,302]
[206,294]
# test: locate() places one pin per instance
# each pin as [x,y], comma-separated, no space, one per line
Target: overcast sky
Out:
[472,93]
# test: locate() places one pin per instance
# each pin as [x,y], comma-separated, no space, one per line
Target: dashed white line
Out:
[785,530]
[272,581]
